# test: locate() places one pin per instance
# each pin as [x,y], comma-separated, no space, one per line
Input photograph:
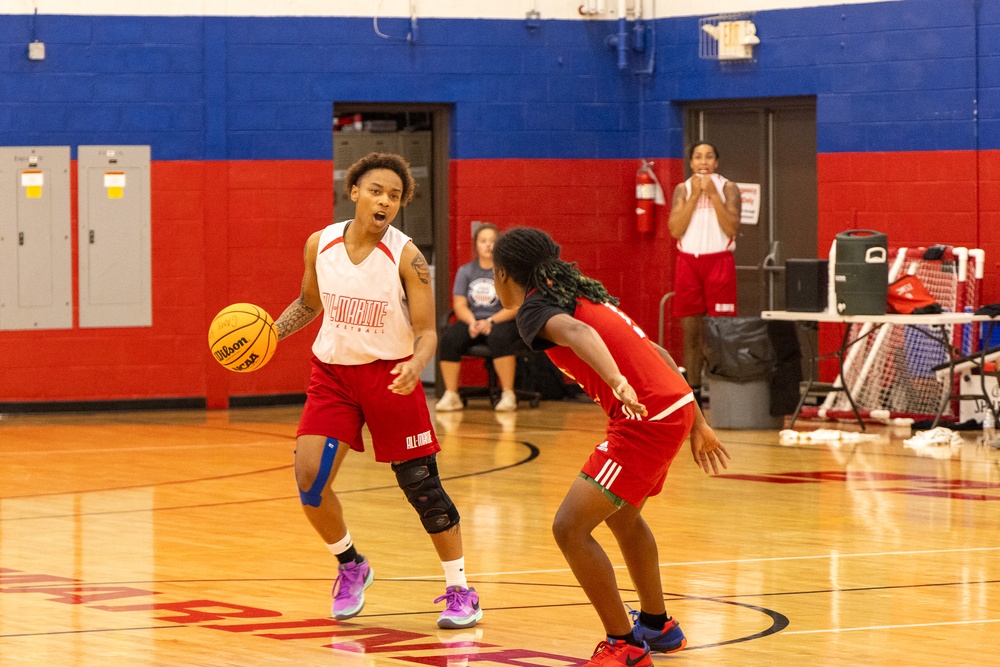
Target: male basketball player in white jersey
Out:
[372,287]
[704,217]
[651,411]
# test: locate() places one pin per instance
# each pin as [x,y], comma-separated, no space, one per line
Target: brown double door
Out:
[772,143]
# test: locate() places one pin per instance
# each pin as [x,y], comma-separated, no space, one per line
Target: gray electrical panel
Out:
[114,236]
[36,285]
[417,219]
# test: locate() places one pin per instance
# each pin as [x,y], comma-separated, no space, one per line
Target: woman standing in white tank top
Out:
[704,218]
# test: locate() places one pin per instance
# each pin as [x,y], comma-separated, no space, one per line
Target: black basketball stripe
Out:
[269,325]
[248,348]
[271,347]
[232,312]
[230,332]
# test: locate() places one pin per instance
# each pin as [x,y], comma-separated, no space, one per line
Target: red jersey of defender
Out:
[657,386]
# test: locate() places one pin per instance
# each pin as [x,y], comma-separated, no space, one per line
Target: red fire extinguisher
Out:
[645,197]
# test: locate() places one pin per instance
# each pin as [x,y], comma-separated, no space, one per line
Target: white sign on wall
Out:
[750,196]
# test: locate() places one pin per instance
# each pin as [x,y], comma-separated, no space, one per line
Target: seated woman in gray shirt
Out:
[480,318]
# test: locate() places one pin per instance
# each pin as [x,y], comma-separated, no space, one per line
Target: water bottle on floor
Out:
[989,427]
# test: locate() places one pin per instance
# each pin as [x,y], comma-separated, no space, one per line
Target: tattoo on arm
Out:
[734,201]
[294,318]
[419,265]
[680,195]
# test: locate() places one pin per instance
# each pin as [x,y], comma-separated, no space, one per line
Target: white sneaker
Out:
[450,401]
[507,402]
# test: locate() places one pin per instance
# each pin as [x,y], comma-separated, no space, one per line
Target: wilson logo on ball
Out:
[223,353]
[242,337]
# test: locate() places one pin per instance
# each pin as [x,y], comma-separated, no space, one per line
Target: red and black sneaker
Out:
[619,653]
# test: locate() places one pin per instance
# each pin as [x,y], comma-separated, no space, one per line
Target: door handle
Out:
[91,236]
[20,238]
[771,258]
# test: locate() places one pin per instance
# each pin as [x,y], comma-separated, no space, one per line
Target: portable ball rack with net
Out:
[889,370]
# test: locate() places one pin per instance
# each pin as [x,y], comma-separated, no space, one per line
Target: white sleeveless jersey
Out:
[704,234]
[365,313]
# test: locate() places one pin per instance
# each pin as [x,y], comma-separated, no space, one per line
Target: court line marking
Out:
[92,630]
[891,627]
[533,453]
[150,448]
[874,554]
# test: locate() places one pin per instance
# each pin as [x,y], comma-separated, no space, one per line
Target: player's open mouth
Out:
[379,217]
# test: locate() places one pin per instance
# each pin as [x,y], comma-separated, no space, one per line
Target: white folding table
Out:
[938,321]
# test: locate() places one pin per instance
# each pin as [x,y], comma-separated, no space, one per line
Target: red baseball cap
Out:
[908,294]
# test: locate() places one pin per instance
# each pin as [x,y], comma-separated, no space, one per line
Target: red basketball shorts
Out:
[705,284]
[342,399]
[632,463]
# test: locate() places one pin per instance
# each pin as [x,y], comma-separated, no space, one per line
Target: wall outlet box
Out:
[36,51]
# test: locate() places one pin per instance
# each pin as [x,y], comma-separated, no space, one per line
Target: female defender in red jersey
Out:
[651,412]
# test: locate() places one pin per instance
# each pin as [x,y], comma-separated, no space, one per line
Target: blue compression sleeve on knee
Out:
[314,496]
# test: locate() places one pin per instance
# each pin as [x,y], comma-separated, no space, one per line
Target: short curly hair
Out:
[392,162]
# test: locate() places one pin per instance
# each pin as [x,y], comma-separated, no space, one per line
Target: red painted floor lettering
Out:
[194,611]
[290,625]
[383,640]
[81,593]
[512,657]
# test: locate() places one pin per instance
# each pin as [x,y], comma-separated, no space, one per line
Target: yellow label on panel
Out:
[32,181]
[114,182]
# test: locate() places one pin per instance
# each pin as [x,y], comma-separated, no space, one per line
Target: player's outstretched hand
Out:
[407,377]
[626,394]
[706,449]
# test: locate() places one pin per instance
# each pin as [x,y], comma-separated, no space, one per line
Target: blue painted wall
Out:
[546,131]
[888,76]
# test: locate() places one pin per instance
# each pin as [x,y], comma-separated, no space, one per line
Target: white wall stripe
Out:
[467,9]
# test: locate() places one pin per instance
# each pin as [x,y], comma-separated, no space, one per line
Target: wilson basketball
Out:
[242,337]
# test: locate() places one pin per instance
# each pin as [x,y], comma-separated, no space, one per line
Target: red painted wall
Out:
[224,232]
[588,206]
[917,198]
[271,209]
[221,232]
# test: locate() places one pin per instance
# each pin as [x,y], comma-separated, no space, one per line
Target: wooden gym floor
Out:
[177,538]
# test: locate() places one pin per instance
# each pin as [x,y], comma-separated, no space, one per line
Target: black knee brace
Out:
[420,483]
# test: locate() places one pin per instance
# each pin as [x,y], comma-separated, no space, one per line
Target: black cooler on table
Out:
[861,272]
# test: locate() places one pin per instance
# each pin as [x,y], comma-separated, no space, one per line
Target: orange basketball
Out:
[242,337]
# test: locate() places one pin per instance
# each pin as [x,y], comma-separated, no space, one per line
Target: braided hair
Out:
[531,258]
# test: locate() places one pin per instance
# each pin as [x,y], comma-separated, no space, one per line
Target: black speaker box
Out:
[806,283]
